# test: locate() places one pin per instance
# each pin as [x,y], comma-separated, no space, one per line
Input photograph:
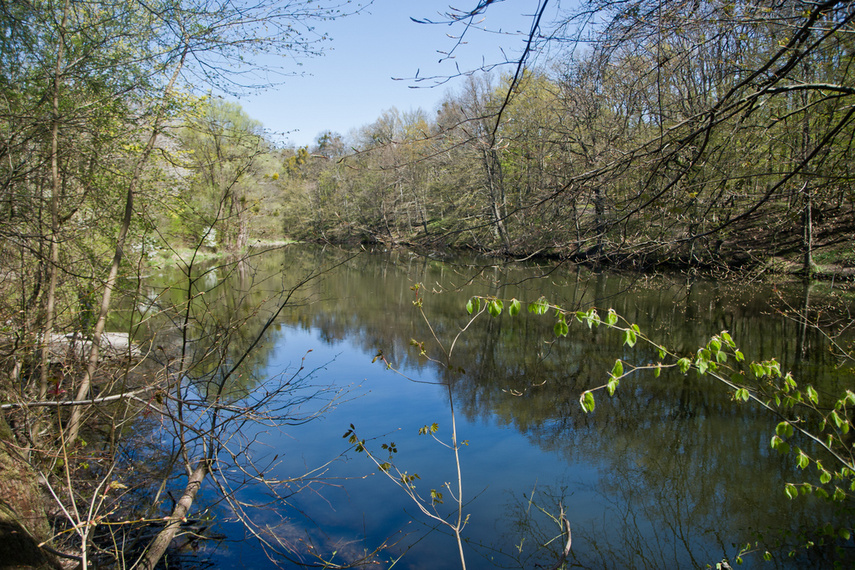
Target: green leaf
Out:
[617,369]
[812,395]
[470,305]
[825,477]
[774,368]
[494,307]
[587,401]
[514,308]
[612,386]
[738,356]
[784,429]
[780,445]
[612,319]
[630,337]
[791,491]
[684,364]
[661,353]
[592,318]
[714,344]
[844,533]
[561,328]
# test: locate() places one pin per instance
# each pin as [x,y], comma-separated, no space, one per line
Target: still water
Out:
[668,473]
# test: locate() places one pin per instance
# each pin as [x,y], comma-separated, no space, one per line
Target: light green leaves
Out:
[767,368]
[494,307]
[612,318]
[812,395]
[589,317]
[539,307]
[614,377]
[587,401]
[780,445]
[630,337]
[561,328]
[784,429]
[791,491]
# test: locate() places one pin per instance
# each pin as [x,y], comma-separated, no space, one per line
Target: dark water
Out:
[669,473]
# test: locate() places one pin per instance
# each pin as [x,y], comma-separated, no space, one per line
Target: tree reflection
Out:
[685,478]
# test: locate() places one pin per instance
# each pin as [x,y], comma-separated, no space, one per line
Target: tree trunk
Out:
[56,186]
[496,193]
[807,223]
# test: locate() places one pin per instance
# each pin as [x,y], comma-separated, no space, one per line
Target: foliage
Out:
[87,178]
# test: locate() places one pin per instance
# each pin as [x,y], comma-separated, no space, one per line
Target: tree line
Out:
[692,133]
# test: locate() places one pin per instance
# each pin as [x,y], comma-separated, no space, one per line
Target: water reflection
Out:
[668,473]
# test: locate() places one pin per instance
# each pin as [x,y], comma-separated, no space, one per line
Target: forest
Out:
[700,135]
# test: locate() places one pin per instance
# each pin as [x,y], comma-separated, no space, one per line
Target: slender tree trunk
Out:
[496,191]
[807,223]
[56,187]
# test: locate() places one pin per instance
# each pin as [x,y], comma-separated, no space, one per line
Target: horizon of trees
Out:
[697,133]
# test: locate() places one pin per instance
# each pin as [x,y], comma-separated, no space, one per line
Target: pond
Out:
[670,472]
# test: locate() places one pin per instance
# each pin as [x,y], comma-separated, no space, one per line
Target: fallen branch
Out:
[62,403]
[164,538]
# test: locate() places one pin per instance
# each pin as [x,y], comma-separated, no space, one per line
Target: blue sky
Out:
[352,84]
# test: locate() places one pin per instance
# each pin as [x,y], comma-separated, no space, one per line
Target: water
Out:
[670,472]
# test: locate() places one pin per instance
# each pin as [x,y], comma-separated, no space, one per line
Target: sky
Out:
[354,82]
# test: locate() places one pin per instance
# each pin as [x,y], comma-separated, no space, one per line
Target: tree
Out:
[88,89]
[224,149]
